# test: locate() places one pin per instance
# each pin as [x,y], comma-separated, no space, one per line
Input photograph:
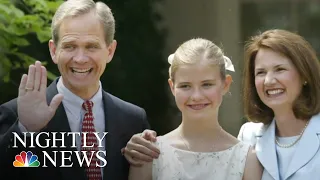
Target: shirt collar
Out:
[75,102]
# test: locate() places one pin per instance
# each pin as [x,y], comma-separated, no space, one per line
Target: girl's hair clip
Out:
[170,58]
[228,64]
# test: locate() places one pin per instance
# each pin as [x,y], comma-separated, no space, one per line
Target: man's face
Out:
[82,53]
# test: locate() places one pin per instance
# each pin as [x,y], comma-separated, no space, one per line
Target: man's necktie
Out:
[93,172]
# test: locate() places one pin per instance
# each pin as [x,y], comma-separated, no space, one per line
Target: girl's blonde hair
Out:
[195,51]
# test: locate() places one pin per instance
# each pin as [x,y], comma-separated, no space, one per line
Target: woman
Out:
[282,98]
[199,148]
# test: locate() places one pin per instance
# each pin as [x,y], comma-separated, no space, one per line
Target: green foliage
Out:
[138,72]
[19,18]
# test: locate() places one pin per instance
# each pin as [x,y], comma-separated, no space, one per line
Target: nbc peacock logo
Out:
[26,160]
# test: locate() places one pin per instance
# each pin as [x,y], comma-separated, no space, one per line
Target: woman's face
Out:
[277,80]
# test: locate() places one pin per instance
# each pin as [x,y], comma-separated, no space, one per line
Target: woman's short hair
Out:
[303,57]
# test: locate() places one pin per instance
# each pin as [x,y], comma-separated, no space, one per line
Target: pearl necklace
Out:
[294,142]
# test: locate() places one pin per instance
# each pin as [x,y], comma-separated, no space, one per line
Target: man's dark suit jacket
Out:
[122,120]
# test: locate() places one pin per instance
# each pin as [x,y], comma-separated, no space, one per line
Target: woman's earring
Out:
[305,83]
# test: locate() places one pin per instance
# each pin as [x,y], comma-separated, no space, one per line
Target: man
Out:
[82,44]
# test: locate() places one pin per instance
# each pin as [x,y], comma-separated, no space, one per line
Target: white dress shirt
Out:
[75,113]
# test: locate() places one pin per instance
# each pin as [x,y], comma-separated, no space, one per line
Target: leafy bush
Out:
[18,19]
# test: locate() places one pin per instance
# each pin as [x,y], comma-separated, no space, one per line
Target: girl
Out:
[199,148]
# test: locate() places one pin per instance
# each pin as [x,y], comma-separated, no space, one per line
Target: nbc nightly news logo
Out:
[84,158]
[26,160]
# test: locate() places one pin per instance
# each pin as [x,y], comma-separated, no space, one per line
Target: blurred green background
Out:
[147,31]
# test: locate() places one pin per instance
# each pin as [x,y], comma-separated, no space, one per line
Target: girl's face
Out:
[198,90]
[277,80]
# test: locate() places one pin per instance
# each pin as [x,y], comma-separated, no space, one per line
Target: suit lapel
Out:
[266,151]
[307,147]
[117,129]
[59,123]
[109,109]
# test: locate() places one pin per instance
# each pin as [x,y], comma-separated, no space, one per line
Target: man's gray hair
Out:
[74,8]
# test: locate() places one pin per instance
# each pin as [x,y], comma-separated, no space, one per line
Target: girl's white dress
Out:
[177,164]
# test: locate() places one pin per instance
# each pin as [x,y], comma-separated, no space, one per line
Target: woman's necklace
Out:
[294,142]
